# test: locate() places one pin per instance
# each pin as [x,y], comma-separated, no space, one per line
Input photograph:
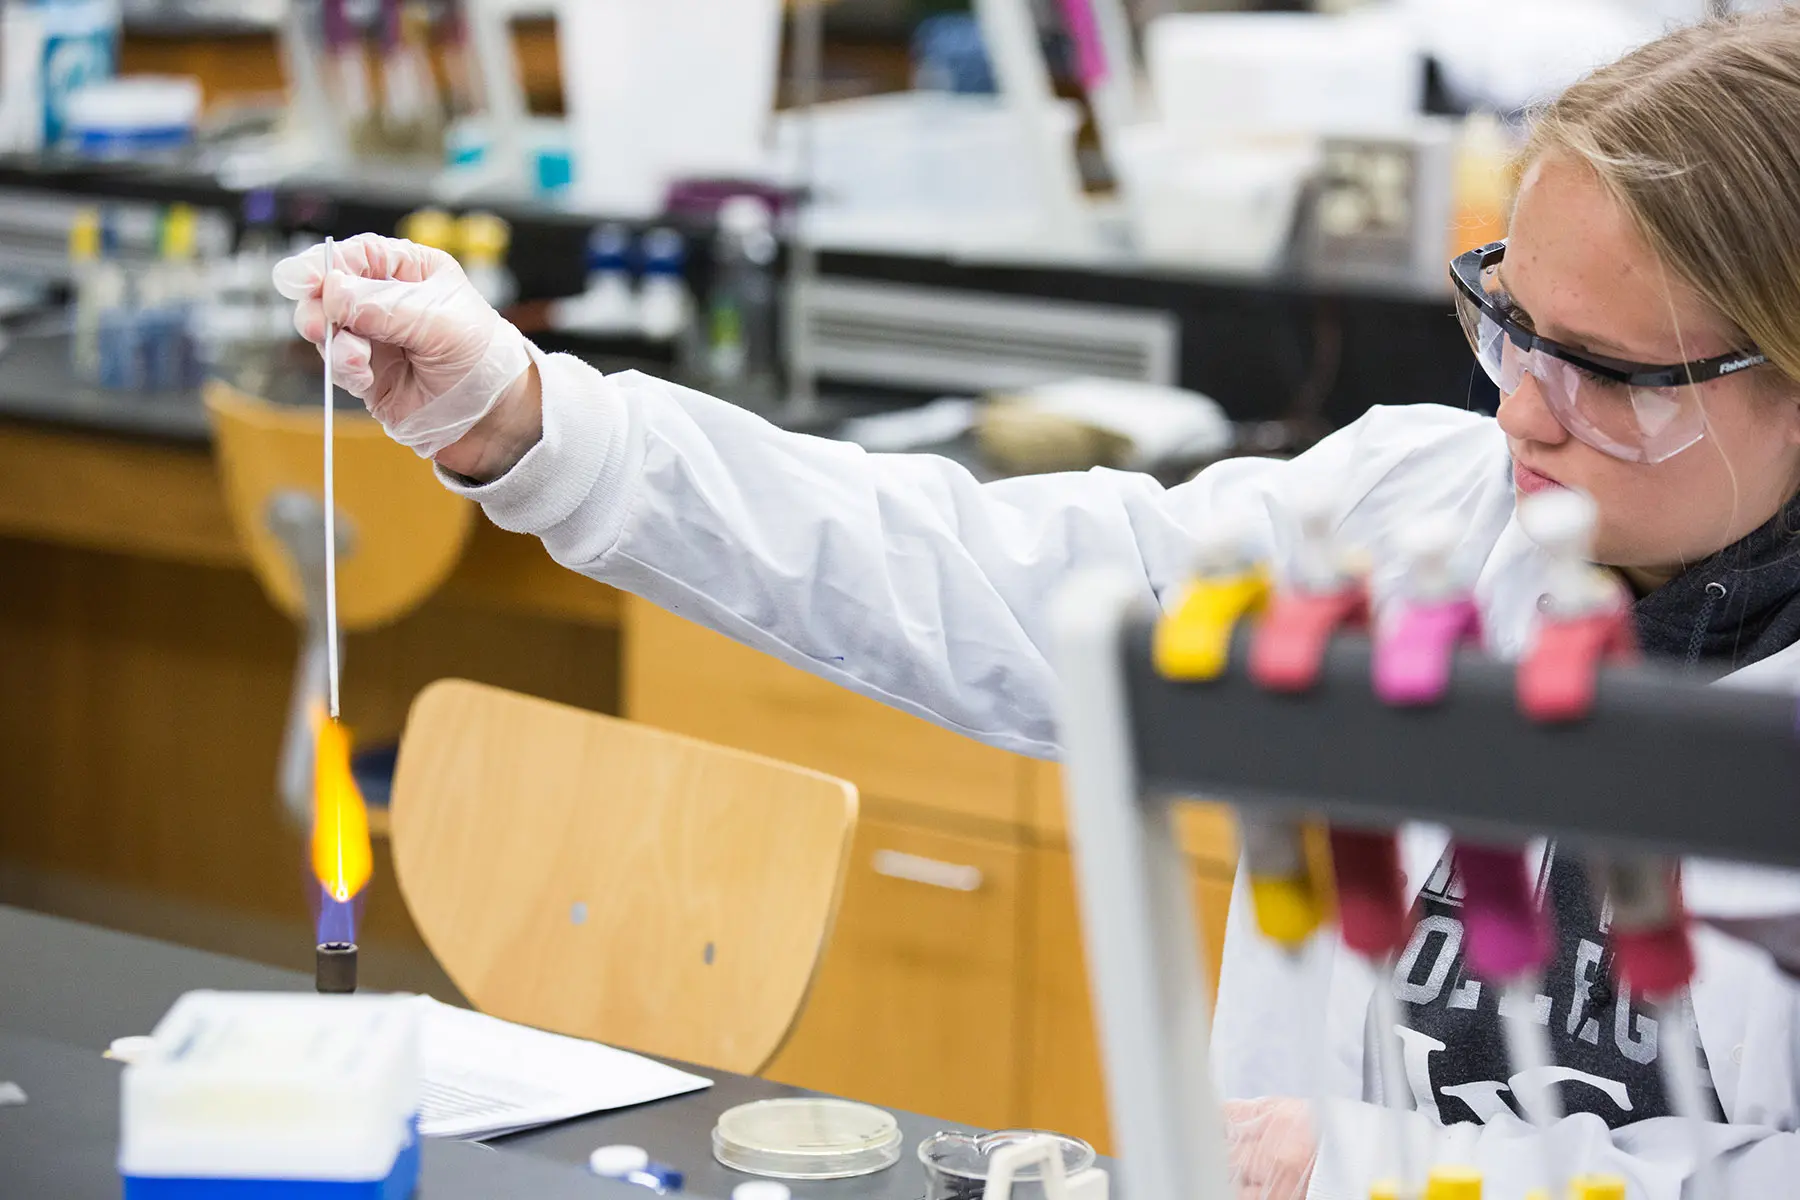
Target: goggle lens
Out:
[1636,424]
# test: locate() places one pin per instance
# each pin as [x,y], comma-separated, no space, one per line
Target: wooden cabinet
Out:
[681,677]
[917,1005]
[1064,1090]
[954,983]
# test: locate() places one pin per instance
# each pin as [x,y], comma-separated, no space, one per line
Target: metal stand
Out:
[1665,763]
[297,520]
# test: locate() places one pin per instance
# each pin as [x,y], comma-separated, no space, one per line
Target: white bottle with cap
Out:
[665,307]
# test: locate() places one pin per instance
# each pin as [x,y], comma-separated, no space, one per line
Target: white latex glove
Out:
[415,341]
[1272,1147]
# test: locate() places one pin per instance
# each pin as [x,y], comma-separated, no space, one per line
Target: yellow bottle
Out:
[485,240]
[431,227]
[1453,1183]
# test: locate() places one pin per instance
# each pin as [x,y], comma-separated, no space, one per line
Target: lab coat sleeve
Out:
[1659,1159]
[899,576]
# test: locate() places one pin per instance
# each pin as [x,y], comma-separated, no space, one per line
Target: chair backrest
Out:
[406,531]
[604,879]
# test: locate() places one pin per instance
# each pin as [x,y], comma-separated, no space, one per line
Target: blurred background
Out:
[1027,234]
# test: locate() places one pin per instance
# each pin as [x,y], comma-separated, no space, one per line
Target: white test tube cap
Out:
[616,1162]
[1223,548]
[1560,520]
[761,1189]
[1427,546]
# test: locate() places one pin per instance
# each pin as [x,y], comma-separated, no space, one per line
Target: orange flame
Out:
[341,856]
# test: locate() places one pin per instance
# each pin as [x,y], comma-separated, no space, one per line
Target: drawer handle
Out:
[929,871]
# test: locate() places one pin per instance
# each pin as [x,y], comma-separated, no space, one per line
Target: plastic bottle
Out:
[485,240]
[607,306]
[245,319]
[121,355]
[87,268]
[431,227]
[1479,186]
[170,290]
[742,361]
[665,306]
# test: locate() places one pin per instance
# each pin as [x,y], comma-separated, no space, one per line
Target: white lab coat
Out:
[901,577]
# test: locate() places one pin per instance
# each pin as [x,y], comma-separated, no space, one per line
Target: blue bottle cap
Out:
[609,248]
[665,252]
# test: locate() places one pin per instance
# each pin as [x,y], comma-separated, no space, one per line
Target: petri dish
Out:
[806,1138]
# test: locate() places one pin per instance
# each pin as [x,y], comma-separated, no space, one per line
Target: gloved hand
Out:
[1272,1147]
[440,369]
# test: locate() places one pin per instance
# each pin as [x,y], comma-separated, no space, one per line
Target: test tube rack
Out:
[1664,762]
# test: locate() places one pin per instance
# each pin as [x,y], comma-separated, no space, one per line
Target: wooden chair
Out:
[604,879]
[406,531]
[400,535]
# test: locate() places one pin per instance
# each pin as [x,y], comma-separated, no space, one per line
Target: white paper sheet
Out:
[483,1077]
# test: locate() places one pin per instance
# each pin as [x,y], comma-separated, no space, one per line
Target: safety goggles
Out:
[1633,411]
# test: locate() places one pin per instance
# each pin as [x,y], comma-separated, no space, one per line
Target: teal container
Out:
[80,46]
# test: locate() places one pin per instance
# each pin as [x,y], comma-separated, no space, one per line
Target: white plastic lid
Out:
[806,1138]
[742,215]
[134,102]
[616,1162]
[131,1049]
[761,1189]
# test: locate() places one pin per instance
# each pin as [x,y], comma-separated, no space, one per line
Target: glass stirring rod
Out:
[331,618]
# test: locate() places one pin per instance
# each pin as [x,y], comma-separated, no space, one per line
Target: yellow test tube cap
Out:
[1453,1183]
[1287,908]
[484,237]
[1389,1189]
[431,227]
[84,236]
[1193,642]
[1597,1187]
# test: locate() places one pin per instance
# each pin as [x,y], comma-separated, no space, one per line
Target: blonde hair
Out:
[1698,135]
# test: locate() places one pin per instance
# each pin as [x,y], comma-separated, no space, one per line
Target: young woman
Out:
[1643,324]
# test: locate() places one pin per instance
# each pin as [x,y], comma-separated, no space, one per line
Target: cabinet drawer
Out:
[1208,832]
[682,677]
[1064,1090]
[916,1002]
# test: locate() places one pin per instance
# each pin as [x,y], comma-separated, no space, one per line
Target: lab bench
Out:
[1284,346]
[67,989]
[145,693]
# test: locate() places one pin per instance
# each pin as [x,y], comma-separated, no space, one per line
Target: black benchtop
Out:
[68,989]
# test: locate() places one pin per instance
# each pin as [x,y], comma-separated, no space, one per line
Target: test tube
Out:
[1374,915]
[1288,897]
